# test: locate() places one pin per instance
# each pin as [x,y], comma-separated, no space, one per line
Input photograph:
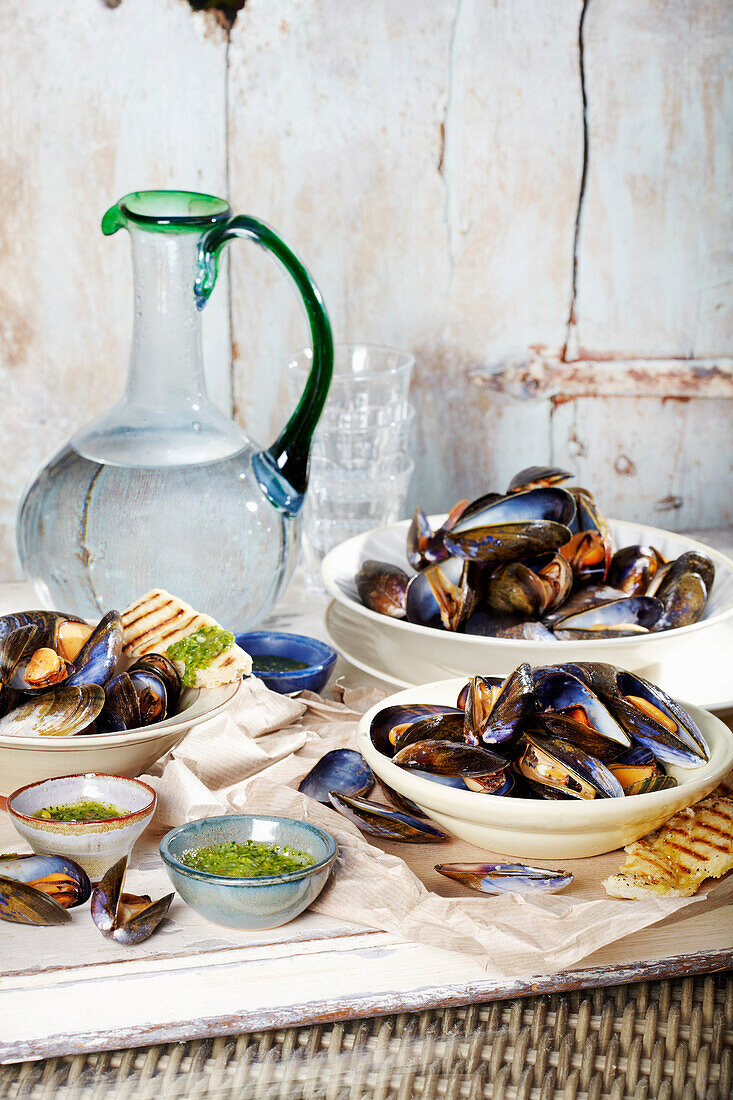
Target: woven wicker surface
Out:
[656,1041]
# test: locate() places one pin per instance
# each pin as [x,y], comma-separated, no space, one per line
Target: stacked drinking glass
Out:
[360,466]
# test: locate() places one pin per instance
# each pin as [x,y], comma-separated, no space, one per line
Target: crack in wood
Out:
[443,170]
[581,189]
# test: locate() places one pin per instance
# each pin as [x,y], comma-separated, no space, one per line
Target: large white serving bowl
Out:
[539,829]
[26,760]
[405,646]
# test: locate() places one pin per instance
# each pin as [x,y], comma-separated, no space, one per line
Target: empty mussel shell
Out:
[62,712]
[446,758]
[166,670]
[383,588]
[388,723]
[616,619]
[125,918]
[557,764]
[385,822]
[151,694]
[24,904]
[405,804]
[506,878]
[344,771]
[58,877]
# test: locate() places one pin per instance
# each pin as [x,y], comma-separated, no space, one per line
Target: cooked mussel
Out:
[166,670]
[62,712]
[632,569]
[446,758]
[494,715]
[121,709]
[506,878]
[654,719]
[442,596]
[56,876]
[650,784]
[24,904]
[529,590]
[617,619]
[551,762]
[433,727]
[424,546]
[66,634]
[389,722]
[385,822]
[96,660]
[531,477]
[151,694]
[556,689]
[383,588]
[492,545]
[344,771]
[576,733]
[683,599]
[125,918]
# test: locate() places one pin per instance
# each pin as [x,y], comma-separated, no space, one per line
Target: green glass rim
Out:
[186,209]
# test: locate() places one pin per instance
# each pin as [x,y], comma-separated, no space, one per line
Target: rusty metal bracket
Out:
[537,376]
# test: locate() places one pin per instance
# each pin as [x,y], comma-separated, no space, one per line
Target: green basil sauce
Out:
[270,662]
[86,810]
[198,650]
[251,859]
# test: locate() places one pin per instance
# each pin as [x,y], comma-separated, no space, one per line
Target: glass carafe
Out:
[164,489]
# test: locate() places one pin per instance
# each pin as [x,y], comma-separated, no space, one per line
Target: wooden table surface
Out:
[83,993]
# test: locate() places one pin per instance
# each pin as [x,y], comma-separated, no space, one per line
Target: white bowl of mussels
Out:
[535,574]
[102,713]
[552,762]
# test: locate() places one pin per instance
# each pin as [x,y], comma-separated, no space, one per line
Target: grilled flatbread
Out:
[695,844]
[157,620]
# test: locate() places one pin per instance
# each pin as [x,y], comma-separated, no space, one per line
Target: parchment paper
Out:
[251,759]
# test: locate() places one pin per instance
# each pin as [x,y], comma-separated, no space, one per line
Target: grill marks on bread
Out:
[695,844]
[158,619]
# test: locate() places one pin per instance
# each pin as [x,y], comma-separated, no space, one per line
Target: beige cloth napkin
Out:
[251,759]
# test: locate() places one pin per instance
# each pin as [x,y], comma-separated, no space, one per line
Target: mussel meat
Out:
[534,476]
[56,876]
[125,918]
[632,569]
[494,715]
[442,596]
[506,878]
[551,762]
[166,670]
[152,696]
[24,904]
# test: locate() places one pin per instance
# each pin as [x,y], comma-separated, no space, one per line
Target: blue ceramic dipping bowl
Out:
[318,656]
[264,902]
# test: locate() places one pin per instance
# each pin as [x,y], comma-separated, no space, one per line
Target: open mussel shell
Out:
[633,775]
[152,696]
[513,702]
[576,733]
[543,503]
[558,690]
[62,712]
[383,588]
[121,708]
[165,669]
[442,596]
[650,784]
[15,647]
[490,681]
[125,918]
[406,804]
[558,765]
[344,771]
[500,783]
[24,904]
[617,619]
[506,878]
[446,758]
[533,476]
[56,876]
[632,569]
[385,822]
[387,723]
[56,629]
[504,542]
[433,727]
[95,663]
[654,719]
[40,671]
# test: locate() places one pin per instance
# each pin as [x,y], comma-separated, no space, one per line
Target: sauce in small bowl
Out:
[288,662]
[266,899]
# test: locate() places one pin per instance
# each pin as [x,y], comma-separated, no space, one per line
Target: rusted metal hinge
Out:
[545,377]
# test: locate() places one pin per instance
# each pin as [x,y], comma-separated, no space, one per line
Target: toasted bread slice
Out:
[695,844]
[157,620]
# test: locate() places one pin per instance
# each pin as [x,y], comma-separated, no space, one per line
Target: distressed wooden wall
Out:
[533,197]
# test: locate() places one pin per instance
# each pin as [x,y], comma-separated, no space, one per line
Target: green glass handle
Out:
[282,470]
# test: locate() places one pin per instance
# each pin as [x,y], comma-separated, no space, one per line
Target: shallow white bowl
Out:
[405,647]
[95,845]
[28,759]
[539,829]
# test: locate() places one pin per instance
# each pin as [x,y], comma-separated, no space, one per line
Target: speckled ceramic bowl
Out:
[264,902]
[95,845]
[318,657]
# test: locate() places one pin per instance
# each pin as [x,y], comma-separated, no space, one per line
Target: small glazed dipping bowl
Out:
[317,656]
[263,902]
[95,845]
